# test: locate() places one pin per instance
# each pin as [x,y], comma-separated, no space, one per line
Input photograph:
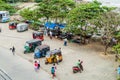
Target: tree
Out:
[31,15]
[116,48]
[61,8]
[109,22]
[44,8]
[78,19]
[55,8]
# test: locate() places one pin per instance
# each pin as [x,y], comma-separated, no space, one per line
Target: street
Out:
[18,68]
[96,65]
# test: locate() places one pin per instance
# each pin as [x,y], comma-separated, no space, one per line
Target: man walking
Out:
[65,42]
[50,34]
[13,50]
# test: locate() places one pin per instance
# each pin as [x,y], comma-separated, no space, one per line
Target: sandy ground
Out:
[96,65]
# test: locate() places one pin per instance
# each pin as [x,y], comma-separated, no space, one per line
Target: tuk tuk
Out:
[40,51]
[4,16]
[31,45]
[51,56]
[22,27]
[38,35]
[12,25]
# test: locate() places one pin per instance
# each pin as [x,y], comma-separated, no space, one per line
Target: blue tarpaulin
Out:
[53,25]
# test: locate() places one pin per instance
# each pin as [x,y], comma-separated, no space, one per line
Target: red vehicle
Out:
[38,35]
[76,69]
[12,25]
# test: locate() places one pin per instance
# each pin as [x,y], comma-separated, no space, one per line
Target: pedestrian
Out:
[60,49]
[54,69]
[13,50]
[118,71]
[54,66]
[36,66]
[81,66]
[50,34]
[45,32]
[0,29]
[53,72]
[65,42]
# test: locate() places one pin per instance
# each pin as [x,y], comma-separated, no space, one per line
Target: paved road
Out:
[96,65]
[18,68]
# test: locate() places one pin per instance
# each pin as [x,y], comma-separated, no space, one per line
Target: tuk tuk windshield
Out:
[26,44]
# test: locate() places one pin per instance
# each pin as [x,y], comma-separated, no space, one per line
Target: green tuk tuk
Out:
[31,45]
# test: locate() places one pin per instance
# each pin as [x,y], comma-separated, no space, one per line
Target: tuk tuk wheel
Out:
[46,63]
[24,52]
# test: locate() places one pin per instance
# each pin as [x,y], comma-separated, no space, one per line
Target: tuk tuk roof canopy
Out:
[53,25]
[52,52]
[22,24]
[42,47]
[38,33]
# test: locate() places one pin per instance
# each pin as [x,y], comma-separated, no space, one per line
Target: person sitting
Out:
[78,65]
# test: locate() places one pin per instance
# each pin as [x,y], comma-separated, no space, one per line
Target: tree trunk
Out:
[47,19]
[56,20]
[106,47]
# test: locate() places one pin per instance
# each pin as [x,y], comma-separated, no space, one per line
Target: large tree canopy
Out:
[109,22]
[79,18]
[55,8]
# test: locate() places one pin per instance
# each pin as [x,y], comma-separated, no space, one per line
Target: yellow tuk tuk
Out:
[53,56]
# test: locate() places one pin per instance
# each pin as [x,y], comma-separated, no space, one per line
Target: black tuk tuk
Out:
[31,45]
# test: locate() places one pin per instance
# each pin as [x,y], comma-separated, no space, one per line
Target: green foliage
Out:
[7,7]
[118,78]
[117,35]
[55,8]
[28,14]
[38,1]
[32,15]
[117,48]
[80,17]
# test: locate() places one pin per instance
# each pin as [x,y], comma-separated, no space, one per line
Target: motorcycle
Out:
[76,69]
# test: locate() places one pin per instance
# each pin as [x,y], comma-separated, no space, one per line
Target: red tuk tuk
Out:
[38,35]
[12,25]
